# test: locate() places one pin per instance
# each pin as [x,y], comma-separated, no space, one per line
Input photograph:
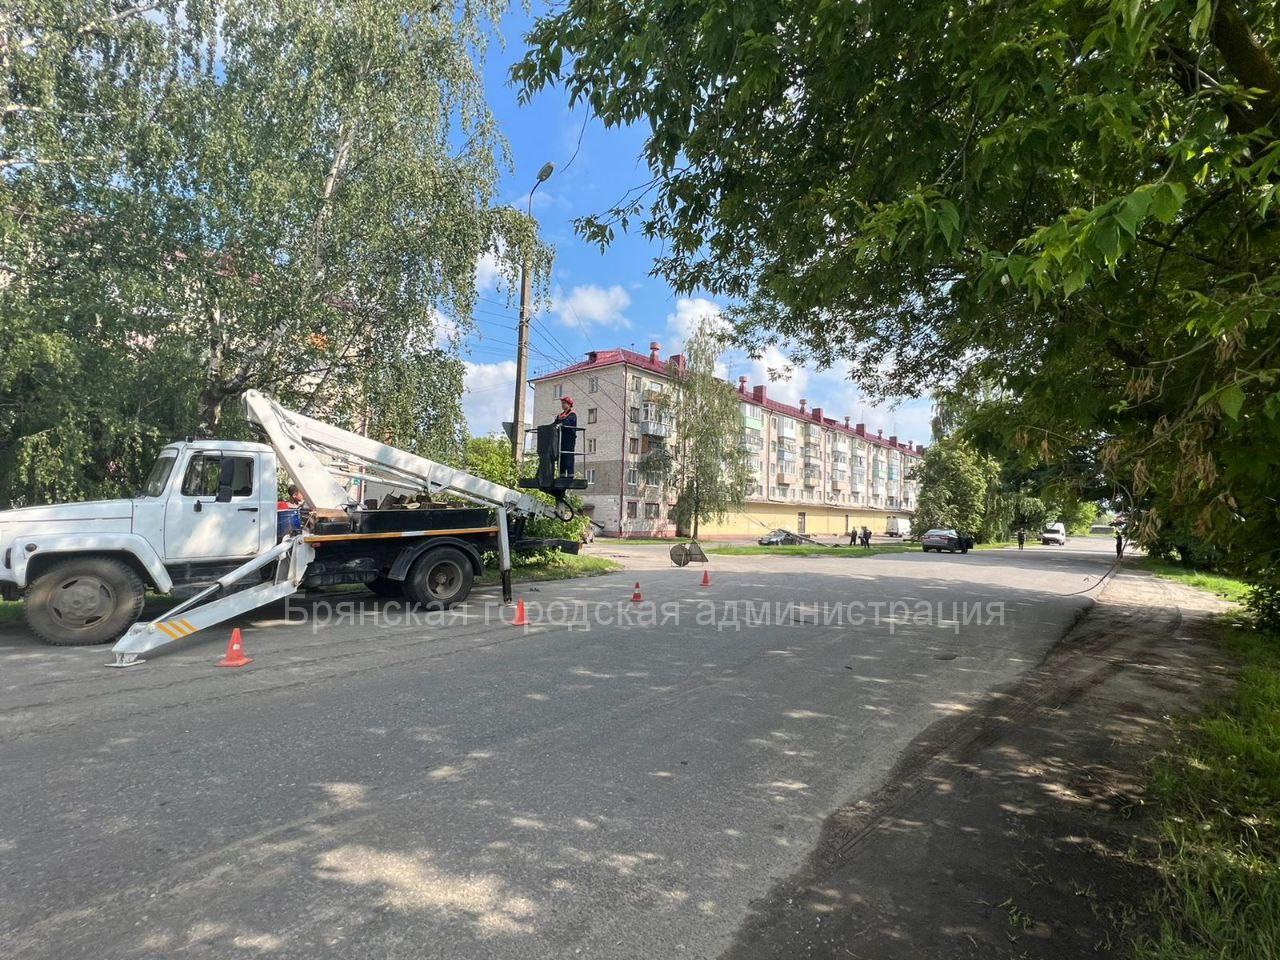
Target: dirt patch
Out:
[1017,830]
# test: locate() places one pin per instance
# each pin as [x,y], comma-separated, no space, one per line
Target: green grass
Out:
[639,541]
[1217,793]
[10,611]
[555,566]
[1228,588]
[808,551]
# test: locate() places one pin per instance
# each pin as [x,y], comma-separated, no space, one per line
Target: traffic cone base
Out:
[635,597]
[235,652]
[521,620]
[706,578]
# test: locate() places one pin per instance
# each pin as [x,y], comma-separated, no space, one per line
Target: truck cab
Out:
[205,508]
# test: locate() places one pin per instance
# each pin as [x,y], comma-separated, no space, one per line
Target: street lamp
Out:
[522,339]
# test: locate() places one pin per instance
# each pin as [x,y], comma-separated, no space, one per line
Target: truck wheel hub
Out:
[82,601]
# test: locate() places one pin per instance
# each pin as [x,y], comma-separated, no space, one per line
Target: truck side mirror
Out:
[226,479]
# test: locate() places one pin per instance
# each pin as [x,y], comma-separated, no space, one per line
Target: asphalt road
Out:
[382,789]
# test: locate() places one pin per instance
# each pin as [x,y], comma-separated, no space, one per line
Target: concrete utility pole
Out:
[522,339]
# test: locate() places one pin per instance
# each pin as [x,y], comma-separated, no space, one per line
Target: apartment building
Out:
[813,474]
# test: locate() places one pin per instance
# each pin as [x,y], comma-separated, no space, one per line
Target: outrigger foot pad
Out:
[125,660]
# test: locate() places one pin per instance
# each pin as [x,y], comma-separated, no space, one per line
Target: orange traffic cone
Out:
[521,619]
[706,578]
[635,597]
[235,652]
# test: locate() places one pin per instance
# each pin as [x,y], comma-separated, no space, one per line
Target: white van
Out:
[894,527]
[1054,533]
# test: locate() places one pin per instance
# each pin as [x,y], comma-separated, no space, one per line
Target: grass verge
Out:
[1218,797]
[555,566]
[807,551]
[1226,587]
[10,611]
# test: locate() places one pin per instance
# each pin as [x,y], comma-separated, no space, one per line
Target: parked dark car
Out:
[781,538]
[948,540]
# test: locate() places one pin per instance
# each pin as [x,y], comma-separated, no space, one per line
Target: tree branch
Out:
[1246,60]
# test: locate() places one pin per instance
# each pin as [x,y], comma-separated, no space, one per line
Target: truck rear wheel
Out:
[439,578]
[84,600]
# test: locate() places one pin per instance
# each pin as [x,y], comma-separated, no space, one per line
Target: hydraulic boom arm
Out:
[298,438]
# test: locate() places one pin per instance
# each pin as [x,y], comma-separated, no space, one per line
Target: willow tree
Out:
[1072,200]
[219,194]
[705,461]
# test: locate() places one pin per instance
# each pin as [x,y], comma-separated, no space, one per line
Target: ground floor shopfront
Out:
[757,519]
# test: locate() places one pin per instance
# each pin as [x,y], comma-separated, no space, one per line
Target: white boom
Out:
[298,441]
[297,438]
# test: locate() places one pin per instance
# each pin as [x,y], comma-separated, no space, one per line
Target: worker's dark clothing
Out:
[568,441]
[1119,545]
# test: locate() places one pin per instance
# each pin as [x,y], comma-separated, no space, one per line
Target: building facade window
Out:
[593,384]
[634,414]
[651,511]
[591,445]
[633,477]
[591,414]
[633,445]
[591,476]
[632,507]
[559,390]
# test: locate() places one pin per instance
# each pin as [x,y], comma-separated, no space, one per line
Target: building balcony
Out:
[812,477]
[655,428]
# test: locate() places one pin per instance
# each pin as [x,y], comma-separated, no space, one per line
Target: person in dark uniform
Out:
[1022,539]
[568,422]
[1119,545]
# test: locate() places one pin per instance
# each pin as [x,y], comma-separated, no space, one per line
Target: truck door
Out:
[214,512]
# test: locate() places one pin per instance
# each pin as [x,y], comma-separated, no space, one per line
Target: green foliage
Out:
[1064,209]
[490,458]
[1217,794]
[954,481]
[705,461]
[552,565]
[202,196]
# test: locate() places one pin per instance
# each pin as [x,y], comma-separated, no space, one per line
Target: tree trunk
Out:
[1247,61]
[214,392]
[209,410]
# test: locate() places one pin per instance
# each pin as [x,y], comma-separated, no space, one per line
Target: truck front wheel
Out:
[84,600]
[440,578]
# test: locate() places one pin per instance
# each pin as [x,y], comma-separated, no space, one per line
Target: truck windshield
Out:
[158,477]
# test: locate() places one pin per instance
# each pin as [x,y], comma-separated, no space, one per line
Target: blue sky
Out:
[606,300]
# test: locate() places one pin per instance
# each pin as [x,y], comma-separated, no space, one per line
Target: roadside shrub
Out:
[1263,602]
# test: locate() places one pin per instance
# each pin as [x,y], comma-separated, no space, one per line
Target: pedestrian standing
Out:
[1119,545]
[1022,538]
[853,536]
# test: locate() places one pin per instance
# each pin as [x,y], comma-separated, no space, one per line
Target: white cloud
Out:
[787,383]
[689,313]
[489,275]
[489,396]
[590,306]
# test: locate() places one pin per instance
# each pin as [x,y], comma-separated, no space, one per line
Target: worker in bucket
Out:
[567,420]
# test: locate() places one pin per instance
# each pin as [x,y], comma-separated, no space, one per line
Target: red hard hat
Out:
[568,400]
